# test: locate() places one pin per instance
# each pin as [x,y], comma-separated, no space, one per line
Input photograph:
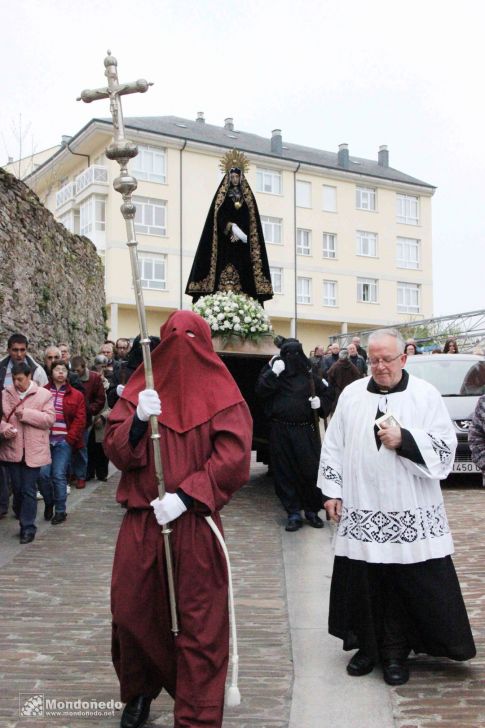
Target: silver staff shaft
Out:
[155,435]
[122,151]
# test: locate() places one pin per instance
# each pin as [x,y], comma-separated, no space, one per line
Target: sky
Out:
[407,74]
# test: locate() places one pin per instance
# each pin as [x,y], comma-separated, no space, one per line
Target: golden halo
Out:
[234,158]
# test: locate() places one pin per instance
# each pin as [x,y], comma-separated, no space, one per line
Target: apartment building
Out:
[348,239]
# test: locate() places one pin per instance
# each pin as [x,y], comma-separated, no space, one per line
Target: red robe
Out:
[209,462]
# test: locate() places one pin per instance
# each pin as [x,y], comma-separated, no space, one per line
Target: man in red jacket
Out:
[95,398]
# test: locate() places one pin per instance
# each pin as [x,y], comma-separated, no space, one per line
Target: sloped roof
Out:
[205,133]
[212,135]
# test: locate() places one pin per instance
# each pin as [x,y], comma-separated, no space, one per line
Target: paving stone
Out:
[55,626]
[442,692]
[55,617]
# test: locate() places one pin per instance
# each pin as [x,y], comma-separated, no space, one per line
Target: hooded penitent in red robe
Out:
[205,429]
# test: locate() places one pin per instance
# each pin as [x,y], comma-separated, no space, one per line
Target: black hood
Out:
[295,360]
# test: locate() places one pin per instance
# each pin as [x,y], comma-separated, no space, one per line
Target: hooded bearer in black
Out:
[292,395]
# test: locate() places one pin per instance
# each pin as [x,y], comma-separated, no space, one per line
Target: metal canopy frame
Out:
[467,328]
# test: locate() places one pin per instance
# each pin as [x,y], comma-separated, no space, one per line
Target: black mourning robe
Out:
[223,265]
[294,439]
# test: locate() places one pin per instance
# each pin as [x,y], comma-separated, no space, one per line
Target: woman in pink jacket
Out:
[28,414]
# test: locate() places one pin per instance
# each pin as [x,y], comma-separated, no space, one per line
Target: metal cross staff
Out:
[122,150]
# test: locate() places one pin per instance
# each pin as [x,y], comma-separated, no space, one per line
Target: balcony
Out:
[65,194]
[96,174]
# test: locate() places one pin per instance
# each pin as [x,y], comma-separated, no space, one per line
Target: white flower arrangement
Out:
[233,314]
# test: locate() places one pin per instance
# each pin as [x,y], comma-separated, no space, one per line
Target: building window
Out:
[407,209]
[367,290]
[329,198]
[366,243]
[408,253]
[276,279]
[329,245]
[70,220]
[267,180]
[272,229]
[92,215]
[303,241]
[365,198]
[151,216]
[408,297]
[303,290]
[150,164]
[329,293]
[303,194]
[153,271]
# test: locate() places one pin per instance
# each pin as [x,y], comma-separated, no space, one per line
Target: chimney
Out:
[65,139]
[229,123]
[383,156]
[276,142]
[10,160]
[200,117]
[343,156]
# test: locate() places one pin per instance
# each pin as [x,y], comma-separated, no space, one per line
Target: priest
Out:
[394,586]
[205,430]
[231,255]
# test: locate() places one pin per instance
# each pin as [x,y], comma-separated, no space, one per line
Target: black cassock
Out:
[223,265]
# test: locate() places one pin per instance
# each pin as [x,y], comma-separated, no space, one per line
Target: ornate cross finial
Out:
[121,149]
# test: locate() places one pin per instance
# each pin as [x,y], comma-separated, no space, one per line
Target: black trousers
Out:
[295,454]
[97,461]
[387,610]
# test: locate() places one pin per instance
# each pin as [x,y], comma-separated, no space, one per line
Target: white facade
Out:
[346,250]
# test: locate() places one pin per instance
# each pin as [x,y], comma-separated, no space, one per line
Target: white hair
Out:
[381,333]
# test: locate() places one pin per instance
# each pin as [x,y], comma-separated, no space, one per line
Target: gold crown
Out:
[234,158]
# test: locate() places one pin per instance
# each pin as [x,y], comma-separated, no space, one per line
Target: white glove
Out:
[278,367]
[236,230]
[148,404]
[169,508]
[119,389]
[314,402]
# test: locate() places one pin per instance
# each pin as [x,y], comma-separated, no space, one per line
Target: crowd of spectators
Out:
[52,420]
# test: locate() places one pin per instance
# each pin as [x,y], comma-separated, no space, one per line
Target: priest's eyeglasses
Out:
[383,360]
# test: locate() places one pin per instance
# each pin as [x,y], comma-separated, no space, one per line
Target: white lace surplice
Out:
[392,508]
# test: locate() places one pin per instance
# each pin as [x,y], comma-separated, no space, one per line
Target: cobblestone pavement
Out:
[55,619]
[441,692]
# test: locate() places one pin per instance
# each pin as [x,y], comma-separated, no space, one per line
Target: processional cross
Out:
[122,150]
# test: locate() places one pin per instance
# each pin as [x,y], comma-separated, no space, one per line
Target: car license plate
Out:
[465,468]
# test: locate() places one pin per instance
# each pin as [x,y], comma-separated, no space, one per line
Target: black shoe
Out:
[27,537]
[396,672]
[48,512]
[313,519]
[360,664]
[294,523]
[136,712]
[58,518]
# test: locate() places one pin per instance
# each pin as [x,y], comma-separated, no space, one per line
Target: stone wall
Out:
[51,282]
